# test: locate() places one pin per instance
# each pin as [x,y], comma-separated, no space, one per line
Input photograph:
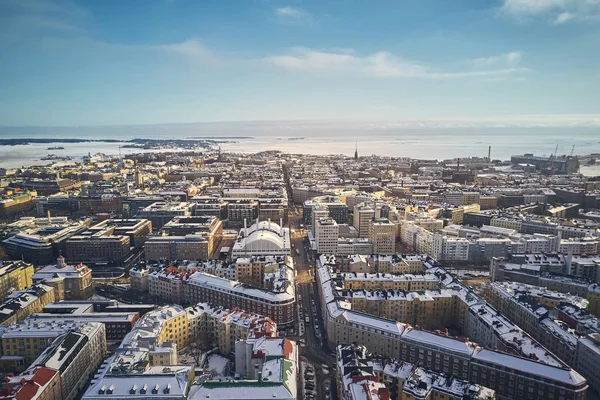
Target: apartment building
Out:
[269,367]
[72,350]
[145,365]
[209,226]
[38,383]
[445,354]
[167,284]
[382,233]
[240,210]
[588,353]
[22,343]
[327,232]
[279,306]
[14,275]
[22,303]
[70,282]
[261,271]
[170,248]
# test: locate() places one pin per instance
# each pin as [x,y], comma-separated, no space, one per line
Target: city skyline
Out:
[114,63]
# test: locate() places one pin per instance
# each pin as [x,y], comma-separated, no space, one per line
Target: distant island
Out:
[26,141]
[137,143]
[221,137]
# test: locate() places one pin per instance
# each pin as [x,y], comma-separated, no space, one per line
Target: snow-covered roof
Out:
[519,364]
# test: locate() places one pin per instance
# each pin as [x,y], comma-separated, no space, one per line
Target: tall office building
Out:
[363,215]
[326,236]
[382,233]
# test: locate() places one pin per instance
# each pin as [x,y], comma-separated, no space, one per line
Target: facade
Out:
[14,275]
[240,210]
[70,282]
[262,271]
[279,306]
[40,383]
[73,351]
[326,236]
[22,303]
[588,354]
[188,247]
[359,373]
[91,249]
[363,215]
[145,364]
[111,241]
[210,227]
[138,278]
[527,364]
[382,233]
[41,245]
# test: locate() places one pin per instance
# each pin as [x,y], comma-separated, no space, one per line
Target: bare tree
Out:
[199,345]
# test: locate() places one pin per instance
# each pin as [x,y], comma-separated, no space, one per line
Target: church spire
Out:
[356,152]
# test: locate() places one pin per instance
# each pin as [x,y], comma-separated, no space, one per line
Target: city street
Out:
[313,348]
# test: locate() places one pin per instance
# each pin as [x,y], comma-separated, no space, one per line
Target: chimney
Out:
[384,393]
[489,153]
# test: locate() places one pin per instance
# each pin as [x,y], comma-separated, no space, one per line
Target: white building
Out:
[263,238]
[326,236]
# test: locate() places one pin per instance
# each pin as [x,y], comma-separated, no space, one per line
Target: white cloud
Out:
[293,15]
[555,11]
[380,64]
[563,17]
[508,59]
[191,48]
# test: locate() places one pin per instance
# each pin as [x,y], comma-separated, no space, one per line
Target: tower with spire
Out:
[356,152]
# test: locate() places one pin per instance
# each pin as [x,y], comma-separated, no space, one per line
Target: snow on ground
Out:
[217,365]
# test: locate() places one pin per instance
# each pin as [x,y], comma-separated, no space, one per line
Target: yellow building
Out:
[376,281]
[14,275]
[22,303]
[21,344]
[593,297]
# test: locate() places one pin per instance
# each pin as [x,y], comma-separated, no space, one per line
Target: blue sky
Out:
[103,62]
